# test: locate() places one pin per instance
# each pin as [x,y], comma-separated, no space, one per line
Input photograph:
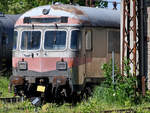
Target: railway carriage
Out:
[6,33]
[59,49]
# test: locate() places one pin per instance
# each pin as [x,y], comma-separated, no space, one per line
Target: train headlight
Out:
[61,65]
[22,65]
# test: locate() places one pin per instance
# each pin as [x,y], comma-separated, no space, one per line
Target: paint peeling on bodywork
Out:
[61,80]
[68,8]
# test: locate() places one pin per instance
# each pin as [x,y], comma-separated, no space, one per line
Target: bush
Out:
[122,91]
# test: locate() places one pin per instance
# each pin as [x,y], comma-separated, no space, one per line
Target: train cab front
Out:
[56,83]
[41,62]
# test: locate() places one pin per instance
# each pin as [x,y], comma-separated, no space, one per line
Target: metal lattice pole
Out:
[129,44]
[142,46]
[133,40]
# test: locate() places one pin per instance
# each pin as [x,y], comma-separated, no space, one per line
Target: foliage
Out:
[101,4]
[18,7]
[123,91]
[4,87]
[21,6]
[3,6]
[23,107]
[91,106]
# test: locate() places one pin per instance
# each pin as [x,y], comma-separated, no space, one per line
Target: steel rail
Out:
[130,110]
[12,99]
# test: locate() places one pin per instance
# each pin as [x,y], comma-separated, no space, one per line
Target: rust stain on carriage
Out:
[61,79]
[17,80]
[68,8]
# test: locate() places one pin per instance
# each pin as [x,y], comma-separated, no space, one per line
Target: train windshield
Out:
[75,39]
[30,40]
[15,39]
[55,40]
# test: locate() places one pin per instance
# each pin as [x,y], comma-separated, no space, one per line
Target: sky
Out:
[111,6]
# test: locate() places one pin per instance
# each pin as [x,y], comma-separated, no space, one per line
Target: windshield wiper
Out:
[54,41]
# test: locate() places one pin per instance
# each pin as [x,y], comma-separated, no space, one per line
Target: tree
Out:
[17,6]
[4,6]
[99,3]
[102,4]
[21,6]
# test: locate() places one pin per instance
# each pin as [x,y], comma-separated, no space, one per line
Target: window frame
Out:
[86,32]
[16,40]
[108,38]
[30,30]
[80,40]
[55,30]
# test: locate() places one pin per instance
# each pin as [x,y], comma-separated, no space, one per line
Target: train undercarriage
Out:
[50,92]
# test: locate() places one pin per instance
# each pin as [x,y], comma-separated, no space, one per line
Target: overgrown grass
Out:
[4,82]
[94,104]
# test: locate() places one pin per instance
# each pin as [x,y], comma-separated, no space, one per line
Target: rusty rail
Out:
[124,110]
[12,99]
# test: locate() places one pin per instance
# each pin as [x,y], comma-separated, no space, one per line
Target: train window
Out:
[113,41]
[55,40]
[75,39]
[88,40]
[15,39]
[31,40]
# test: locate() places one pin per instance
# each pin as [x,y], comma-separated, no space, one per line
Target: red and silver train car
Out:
[59,49]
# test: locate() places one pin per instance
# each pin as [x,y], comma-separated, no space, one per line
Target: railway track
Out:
[124,110]
[12,99]
[21,99]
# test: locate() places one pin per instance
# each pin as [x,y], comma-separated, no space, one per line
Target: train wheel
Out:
[87,92]
[58,96]
[74,99]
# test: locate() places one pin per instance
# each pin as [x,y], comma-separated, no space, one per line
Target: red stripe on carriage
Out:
[49,64]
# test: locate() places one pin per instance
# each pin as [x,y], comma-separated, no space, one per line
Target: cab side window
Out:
[75,40]
[88,39]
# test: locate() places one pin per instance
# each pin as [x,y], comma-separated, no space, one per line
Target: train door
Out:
[80,55]
[4,45]
[83,58]
[88,52]
[4,56]
[85,55]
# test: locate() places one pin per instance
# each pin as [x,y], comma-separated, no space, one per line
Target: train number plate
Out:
[41,88]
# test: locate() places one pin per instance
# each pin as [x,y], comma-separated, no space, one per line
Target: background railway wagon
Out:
[6,40]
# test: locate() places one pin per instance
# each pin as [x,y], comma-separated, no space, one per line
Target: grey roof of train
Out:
[96,16]
[8,20]
[103,17]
